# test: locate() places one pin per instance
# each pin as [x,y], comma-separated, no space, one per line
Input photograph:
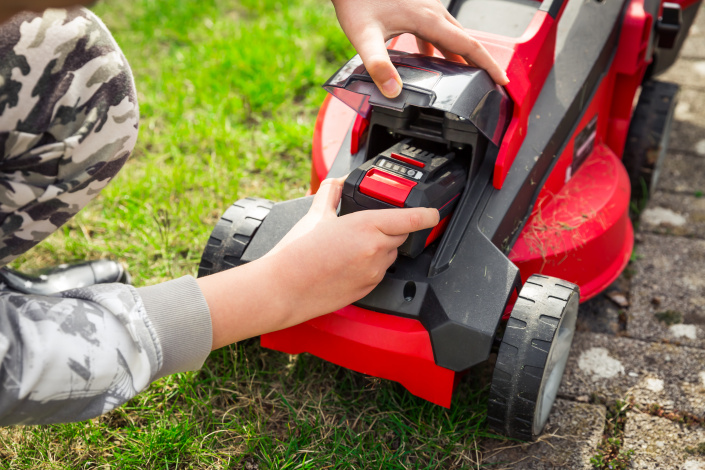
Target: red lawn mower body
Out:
[533,183]
[579,228]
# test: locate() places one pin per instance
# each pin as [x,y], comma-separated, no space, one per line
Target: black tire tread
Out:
[232,234]
[650,121]
[523,353]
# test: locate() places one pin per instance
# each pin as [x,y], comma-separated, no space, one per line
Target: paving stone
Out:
[600,314]
[688,137]
[698,26]
[675,214]
[659,443]
[668,291]
[694,46]
[688,132]
[683,173]
[607,368]
[686,72]
[571,437]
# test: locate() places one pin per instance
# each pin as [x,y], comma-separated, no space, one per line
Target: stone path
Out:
[651,354]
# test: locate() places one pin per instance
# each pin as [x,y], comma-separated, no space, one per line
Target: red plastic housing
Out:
[386,187]
[370,342]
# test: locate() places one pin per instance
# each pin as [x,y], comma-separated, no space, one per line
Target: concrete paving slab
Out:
[687,137]
[599,315]
[659,443]
[694,45]
[689,72]
[683,173]
[604,368]
[688,132]
[668,291]
[602,315]
[698,26]
[674,214]
[572,434]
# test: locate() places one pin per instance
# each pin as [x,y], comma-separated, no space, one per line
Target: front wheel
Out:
[232,235]
[532,357]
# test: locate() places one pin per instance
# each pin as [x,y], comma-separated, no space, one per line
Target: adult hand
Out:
[370,23]
[324,263]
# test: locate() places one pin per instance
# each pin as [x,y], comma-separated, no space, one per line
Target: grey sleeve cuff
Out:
[180,315]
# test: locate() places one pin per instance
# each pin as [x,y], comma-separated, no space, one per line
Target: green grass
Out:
[610,455]
[229,92]
[250,406]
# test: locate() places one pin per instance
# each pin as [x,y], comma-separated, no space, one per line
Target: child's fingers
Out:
[424,47]
[428,49]
[454,39]
[396,241]
[404,221]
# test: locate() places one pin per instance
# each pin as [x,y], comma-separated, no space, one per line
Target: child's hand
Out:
[370,23]
[338,260]
[324,263]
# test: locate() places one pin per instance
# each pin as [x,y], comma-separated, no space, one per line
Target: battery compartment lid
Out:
[463,91]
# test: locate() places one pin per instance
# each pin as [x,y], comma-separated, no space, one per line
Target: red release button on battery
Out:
[386,187]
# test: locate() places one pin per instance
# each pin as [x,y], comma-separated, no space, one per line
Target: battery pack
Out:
[408,174]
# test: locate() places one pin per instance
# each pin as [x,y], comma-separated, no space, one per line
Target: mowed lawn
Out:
[229,92]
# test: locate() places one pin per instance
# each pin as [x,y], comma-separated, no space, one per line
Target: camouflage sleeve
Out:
[86,351]
[68,122]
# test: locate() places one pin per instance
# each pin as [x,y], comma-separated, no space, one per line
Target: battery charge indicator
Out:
[408,172]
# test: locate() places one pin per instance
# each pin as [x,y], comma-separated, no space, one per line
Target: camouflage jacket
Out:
[68,122]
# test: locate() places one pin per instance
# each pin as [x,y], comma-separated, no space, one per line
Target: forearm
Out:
[247,301]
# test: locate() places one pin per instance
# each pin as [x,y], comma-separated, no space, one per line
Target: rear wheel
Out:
[532,357]
[232,234]
[647,141]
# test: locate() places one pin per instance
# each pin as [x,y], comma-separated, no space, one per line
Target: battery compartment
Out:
[416,157]
[433,130]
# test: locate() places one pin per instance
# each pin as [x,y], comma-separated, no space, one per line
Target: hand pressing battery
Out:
[411,173]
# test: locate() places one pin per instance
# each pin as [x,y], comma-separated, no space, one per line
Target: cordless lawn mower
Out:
[532,181]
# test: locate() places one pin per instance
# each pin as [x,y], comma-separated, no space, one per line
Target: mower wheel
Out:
[532,357]
[647,140]
[232,234]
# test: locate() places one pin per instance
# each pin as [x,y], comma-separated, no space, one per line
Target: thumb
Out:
[328,196]
[373,52]
[402,221]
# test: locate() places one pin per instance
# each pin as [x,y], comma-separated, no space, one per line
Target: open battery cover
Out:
[461,91]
